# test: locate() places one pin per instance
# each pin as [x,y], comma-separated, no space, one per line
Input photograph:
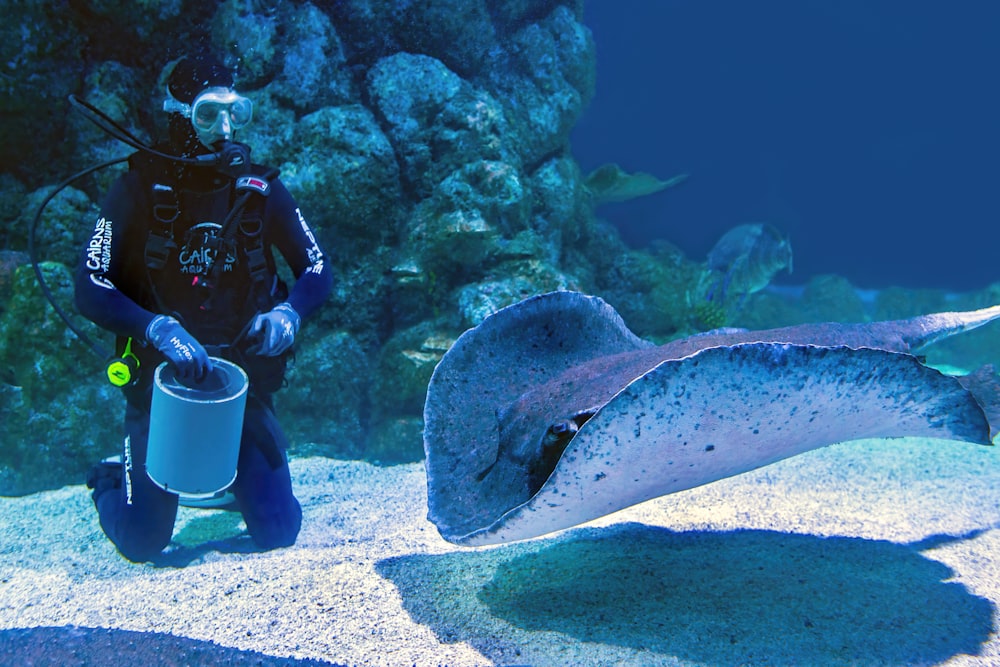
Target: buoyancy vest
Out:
[215,275]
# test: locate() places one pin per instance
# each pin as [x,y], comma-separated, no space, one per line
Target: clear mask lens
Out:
[209,107]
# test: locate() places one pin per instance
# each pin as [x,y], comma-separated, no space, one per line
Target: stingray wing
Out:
[518,349]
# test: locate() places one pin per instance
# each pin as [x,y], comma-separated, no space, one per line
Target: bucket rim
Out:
[232,369]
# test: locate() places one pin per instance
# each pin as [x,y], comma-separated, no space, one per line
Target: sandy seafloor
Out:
[868,553]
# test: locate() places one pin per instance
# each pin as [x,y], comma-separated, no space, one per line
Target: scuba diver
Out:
[180,267]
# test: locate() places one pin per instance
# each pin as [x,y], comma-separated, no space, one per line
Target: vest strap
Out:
[160,241]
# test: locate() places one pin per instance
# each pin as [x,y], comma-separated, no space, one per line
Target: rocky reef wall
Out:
[426,142]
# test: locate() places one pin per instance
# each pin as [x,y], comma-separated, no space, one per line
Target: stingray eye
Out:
[562,428]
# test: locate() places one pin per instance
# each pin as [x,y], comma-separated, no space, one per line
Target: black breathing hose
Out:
[116,131]
[33,255]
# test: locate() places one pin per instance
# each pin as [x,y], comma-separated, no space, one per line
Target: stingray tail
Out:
[984,385]
[927,329]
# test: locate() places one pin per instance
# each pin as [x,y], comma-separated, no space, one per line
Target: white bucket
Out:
[195,430]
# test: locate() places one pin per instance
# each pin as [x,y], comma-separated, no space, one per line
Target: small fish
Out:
[747,257]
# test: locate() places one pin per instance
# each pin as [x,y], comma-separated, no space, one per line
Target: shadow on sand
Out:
[213,531]
[716,598]
[101,647]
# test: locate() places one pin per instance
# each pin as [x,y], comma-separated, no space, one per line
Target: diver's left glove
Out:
[274,330]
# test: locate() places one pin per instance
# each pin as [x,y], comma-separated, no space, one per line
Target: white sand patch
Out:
[869,553]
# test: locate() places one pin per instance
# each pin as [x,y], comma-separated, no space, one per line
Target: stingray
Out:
[552,413]
[609,183]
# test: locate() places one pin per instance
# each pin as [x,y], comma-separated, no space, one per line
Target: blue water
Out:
[868,130]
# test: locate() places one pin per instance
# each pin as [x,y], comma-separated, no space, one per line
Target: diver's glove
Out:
[179,347]
[274,330]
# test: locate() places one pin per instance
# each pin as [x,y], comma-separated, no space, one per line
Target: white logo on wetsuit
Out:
[200,247]
[313,251]
[128,470]
[99,253]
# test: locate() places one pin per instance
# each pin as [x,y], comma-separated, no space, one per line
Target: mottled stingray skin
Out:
[656,420]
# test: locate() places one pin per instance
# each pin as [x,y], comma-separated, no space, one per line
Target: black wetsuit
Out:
[117,288]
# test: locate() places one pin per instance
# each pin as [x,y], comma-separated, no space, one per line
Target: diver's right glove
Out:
[180,348]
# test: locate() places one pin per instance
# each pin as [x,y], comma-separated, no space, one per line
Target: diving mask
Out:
[207,109]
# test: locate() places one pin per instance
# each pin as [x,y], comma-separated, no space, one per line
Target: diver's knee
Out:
[142,548]
[278,530]
[275,537]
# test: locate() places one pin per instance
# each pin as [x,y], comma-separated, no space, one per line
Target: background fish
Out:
[608,183]
[746,258]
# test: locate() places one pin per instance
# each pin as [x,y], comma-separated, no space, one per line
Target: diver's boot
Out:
[105,476]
